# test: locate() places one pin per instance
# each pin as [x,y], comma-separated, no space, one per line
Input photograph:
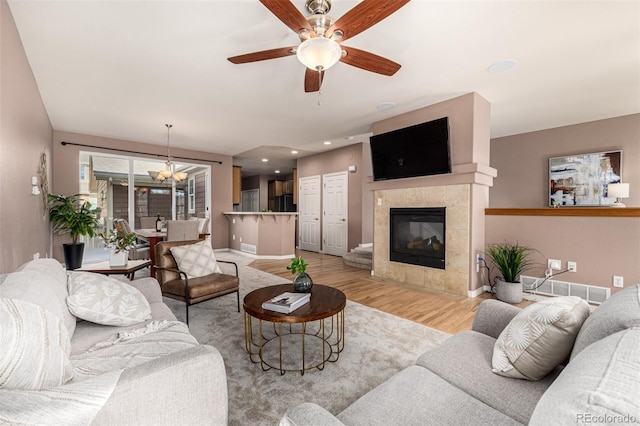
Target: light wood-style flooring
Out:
[445,312]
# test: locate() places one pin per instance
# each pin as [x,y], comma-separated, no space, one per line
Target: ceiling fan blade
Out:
[312,81]
[364,15]
[369,62]
[289,15]
[263,55]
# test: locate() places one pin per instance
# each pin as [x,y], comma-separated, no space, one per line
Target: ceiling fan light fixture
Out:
[319,53]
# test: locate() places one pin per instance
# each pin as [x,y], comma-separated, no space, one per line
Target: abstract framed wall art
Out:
[582,179]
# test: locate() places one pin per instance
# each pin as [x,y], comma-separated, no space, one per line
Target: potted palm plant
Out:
[118,243]
[70,215]
[302,280]
[511,260]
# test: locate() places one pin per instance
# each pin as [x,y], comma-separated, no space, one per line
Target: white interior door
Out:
[309,209]
[334,220]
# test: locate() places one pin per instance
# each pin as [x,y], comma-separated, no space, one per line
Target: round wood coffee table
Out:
[271,344]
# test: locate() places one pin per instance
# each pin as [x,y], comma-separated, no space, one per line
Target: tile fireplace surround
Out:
[457,200]
[464,193]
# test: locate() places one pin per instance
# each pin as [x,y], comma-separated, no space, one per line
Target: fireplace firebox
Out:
[418,236]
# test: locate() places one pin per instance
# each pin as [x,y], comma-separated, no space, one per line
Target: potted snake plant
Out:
[511,260]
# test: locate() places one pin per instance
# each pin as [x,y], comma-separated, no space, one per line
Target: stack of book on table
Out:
[287,302]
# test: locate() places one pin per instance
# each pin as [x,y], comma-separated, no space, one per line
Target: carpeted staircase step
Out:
[360,257]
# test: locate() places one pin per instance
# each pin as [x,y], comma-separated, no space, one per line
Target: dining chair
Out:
[141,250]
[182,230]
[203,224]
[149,222]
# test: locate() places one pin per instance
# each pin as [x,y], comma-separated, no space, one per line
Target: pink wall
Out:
[66,176]
[339,160]
[24,134]
[469,121]
[523,160]
[602,247]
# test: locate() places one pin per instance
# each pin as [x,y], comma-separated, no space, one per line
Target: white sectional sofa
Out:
[149,373]
[453,384]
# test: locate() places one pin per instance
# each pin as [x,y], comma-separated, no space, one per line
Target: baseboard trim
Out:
[478,291]
[260,256]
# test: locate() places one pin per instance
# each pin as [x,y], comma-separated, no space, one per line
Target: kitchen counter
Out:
[264,235]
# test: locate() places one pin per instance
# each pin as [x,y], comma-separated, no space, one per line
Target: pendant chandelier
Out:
[168,172]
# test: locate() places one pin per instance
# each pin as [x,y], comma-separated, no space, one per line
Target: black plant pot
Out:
[73,255]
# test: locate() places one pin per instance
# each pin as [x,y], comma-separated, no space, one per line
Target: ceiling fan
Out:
[321,37]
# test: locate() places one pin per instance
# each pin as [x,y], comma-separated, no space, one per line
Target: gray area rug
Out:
[377,345]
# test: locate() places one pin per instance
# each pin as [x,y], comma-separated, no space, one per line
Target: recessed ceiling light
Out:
[502,66]
[264,160]
[327,142]
[349,138]
[385,105]
[294,151]
[277,171]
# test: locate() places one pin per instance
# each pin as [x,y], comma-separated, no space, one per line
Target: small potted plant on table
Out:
[302,281]
[70,215]
[119,243]
[511,261]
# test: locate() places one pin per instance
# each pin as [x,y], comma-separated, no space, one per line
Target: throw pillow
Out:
[107,301]
[196,260]
[35,347]
[539,338]
[44,288]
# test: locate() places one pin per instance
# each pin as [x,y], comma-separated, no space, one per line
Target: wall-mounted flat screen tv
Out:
[419,150]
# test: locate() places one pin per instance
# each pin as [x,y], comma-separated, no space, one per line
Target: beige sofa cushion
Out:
[599,386]
[539,338]
[35,347]
[617,313]
[46,288]
[107,301]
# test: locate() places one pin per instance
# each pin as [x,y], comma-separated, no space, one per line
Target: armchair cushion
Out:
[201,288]
[103,300]
[196,260]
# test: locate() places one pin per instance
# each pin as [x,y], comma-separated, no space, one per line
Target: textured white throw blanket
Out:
[96,375]
[133,347]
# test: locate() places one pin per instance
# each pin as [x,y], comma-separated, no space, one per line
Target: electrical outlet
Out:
[36,256]
[554,264]
[478,262]
[618,281]
[572,266]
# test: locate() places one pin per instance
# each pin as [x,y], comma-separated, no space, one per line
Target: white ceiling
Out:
[122,69]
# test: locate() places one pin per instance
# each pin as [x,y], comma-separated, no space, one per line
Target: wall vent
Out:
[591,293]
[248,248]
